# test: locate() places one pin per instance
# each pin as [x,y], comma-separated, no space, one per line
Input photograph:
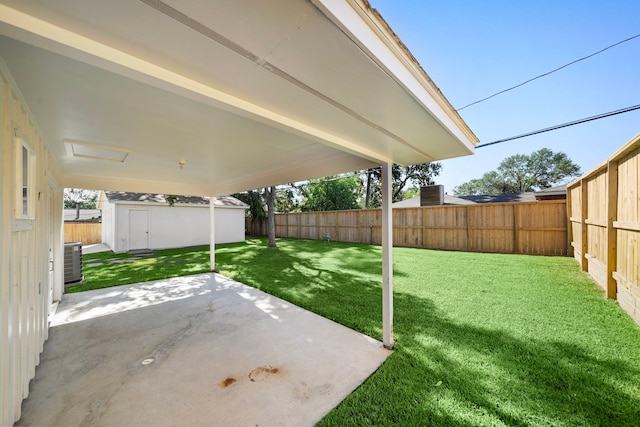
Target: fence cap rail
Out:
[631,145]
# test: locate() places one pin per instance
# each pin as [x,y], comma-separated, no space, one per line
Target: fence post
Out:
[286,225]
[468,228]
[569,223]
[584,263]
[423,243]
[516,249]
[612,214]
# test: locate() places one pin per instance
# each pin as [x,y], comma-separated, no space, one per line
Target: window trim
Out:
[25,204]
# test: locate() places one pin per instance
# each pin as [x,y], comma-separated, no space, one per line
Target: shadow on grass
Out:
[298,271]
[443,372]
[121,269]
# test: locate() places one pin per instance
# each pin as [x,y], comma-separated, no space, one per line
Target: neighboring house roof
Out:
[501,198]
[414,202]
[85,214]
[453,200]
[552,193]
[221,201]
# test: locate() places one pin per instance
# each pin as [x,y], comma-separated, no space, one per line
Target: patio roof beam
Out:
[79,47]
[387,257]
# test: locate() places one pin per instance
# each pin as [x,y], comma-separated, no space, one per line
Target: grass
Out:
[106,269]
[481,339]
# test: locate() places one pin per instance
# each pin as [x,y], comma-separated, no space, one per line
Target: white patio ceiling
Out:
[247,93]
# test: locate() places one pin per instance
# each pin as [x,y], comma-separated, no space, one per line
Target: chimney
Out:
[432,195]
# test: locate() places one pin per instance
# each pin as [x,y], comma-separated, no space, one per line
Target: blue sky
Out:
[472,49]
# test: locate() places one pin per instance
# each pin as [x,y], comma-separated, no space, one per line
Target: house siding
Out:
[24,251]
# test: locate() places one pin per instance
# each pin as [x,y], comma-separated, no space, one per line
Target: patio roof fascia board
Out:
[360,22]
[59,40]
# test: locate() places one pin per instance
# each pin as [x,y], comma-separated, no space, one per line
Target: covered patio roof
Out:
[242,94]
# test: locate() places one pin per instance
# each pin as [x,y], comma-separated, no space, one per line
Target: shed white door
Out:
[138,229]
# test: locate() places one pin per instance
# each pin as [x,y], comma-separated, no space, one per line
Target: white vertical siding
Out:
[229,225]
[24,278]
[177,226]
[108,224]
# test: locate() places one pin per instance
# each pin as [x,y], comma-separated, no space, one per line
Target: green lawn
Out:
[105,269]
[481,339]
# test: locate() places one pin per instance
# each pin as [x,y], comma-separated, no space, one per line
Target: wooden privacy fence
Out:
[524,228]
[604,212]
[88,233]
[255,227]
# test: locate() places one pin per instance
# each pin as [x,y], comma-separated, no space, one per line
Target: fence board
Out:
[88,233]
[542,233]
[609,221]
[533,228]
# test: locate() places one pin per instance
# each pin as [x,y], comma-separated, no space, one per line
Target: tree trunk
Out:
[270,195]
[77,211]
[367,195]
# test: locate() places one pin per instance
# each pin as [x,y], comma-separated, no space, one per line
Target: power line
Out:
[550,72]
[564,125]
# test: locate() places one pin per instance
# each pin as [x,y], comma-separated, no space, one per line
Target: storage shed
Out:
[134,221]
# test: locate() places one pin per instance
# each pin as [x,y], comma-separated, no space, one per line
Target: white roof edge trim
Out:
[355,18]
[48,31]
[177,204]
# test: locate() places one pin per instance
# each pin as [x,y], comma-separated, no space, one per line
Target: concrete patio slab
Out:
[95,248]
[198,350]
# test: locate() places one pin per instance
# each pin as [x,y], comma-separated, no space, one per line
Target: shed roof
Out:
[219,201]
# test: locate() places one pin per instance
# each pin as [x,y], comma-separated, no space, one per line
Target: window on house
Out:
[26,180]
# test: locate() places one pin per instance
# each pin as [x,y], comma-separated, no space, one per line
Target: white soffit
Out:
[368,29]
[250,93]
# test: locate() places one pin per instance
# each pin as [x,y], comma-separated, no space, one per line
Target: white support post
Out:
[212,235]
[387,257]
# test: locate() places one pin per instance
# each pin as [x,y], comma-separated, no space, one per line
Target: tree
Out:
[403,177]
[285,200]
[262,205]
[330,193]
[269,196]
[490,183]
[521,172]
[78,197]
[257,208]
